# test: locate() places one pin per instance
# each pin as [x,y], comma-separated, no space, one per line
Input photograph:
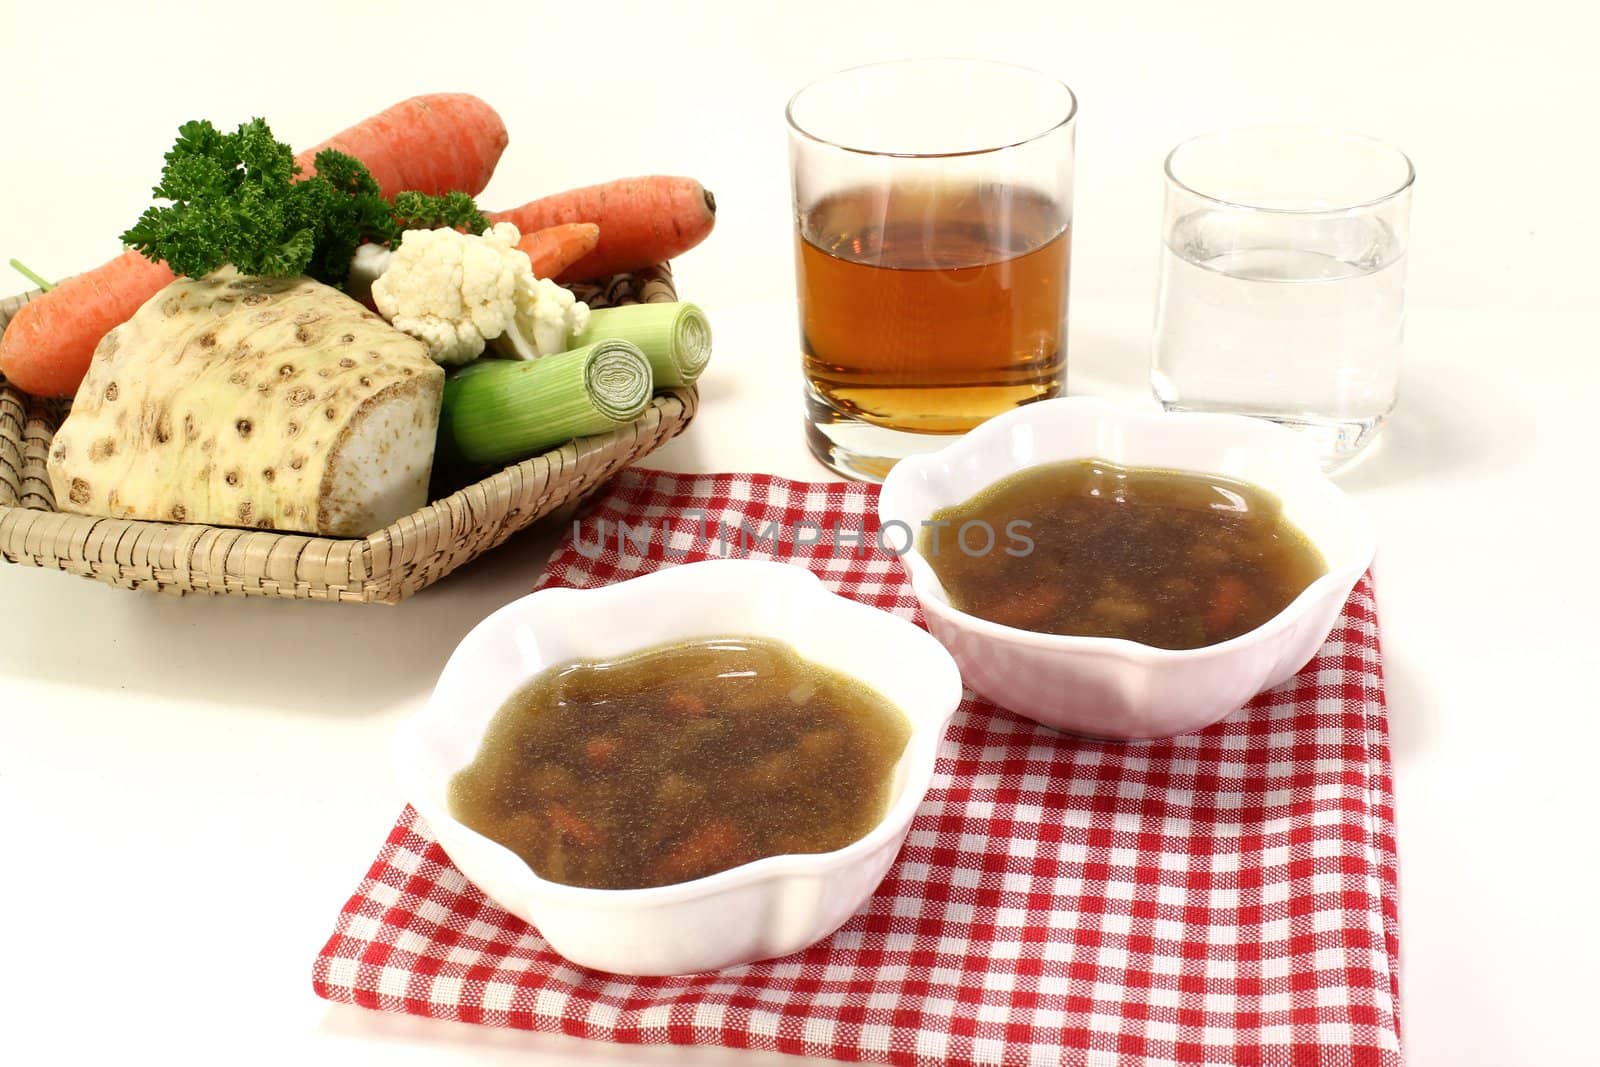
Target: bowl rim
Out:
[921,748]
[934,601]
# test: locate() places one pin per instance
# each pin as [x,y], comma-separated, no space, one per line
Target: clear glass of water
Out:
[1283,281]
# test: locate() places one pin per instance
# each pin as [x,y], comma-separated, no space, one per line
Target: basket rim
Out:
[686,397]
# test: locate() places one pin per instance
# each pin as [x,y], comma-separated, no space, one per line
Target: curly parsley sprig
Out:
[234,199]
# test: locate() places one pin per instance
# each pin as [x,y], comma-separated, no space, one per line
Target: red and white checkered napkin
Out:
[1225,897]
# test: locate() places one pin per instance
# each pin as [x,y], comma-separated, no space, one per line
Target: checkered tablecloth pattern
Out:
[1227,897]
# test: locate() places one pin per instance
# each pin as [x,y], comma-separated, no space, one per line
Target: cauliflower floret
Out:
[547,313]
[458,293]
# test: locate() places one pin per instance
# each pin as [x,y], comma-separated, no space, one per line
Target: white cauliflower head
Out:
[458,292]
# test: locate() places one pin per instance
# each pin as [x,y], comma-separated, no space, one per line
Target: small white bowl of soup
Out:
[1125,574]
[708,765]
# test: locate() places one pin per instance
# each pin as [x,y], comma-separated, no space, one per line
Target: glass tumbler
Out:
[1283,281]
[933,217]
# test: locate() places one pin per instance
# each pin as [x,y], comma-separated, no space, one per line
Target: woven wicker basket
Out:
[382,568]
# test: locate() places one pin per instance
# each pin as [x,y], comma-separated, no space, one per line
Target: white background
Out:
[191,788]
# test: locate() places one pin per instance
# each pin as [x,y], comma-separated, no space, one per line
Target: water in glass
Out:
[1305,331]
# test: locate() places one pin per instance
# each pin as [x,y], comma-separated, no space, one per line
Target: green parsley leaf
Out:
[419,211]
[234,199]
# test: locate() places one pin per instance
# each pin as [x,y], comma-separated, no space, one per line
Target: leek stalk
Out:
[674,337]
[499,410]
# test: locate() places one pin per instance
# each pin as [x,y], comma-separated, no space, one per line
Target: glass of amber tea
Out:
[933,222]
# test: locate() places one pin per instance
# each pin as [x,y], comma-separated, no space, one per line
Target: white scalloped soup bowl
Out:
[766,908]
[1110,687]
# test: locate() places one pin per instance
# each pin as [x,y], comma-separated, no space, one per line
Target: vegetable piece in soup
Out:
[1166,558]
[680,761]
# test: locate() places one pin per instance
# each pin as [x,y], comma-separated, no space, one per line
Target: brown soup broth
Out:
[1166,558]
[680,761]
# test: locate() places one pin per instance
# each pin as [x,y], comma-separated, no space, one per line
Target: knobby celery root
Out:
[276,403]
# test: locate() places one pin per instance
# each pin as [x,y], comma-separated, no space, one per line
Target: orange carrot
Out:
[1028,611]
[555,248]
[686,704]
[46,347]
[434,144]
[1226,603]
[642,221]
[429,143]
[713,847]
[600,751]
[574,825]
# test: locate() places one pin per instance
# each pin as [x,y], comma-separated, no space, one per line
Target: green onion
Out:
[498,410]
[675,338]
[32,277]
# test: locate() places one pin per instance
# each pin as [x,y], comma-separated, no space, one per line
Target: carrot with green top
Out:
[47,344]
